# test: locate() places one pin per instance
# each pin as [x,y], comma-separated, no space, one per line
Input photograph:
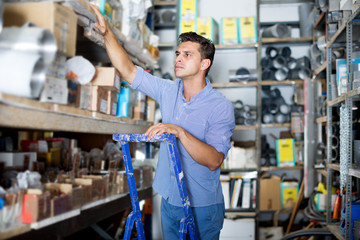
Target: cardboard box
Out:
[229,30]
[238,229]
[187,25]
[285,154]
[36,206]
[247,30]
[93,98]
[270,193]
[106,77]
[139,110]
[289,194]
[60,20]
[99,184]
[112,103]
[208,28]
[187,15]
[150,109]
[271,233]
[55,91]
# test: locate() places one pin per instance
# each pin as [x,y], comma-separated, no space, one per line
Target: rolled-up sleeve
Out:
[150,85]
[220,127]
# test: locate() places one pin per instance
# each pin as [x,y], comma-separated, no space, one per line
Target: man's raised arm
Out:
[118,56]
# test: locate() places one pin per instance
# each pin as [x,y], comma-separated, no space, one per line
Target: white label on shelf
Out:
[103,106]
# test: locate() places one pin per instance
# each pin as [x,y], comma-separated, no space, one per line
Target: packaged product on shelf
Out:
[139,108]
[100,184]
[93,98]
[289,194]
[58,67]
[242,156]
[126,100]
[104,7]
[51,158]
[150,109]
[60,20]
[229,30]
[106,77]
[36,206]
[87,188]
[146,176]
[60,197]
[270,193]
[112,102]
[55,91]
[247,30]
[285,153]
[187,15]
[10,208]
[208,28]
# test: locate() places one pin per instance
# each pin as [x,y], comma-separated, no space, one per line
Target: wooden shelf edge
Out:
[245,127]
[285,82]
[276,125]
[235,84]
[334,166]
[164,3]
[320,69]
[18,112]
[287,39]
[273,168]
[236,46]
[321,119]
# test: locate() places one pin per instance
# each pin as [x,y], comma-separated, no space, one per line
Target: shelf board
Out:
[234,215]
[236,46]
[285,82]
[336,35]
[321,68]
[321,119]
[235,84]
[166,45]
[164,3]
[273,168]
[53,220]
[335,230]
[15,231]
[17,112]
[229,170]
[276,125]
[241,210]
[334,166]
[245,127]
[322,172]
[287,40]
[354,172]
[352,93]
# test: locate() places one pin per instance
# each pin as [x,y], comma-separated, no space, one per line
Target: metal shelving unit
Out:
[344,34]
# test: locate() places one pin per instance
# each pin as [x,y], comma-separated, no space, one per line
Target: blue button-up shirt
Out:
[209,117]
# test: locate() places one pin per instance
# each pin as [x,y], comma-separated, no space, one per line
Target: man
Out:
[202,120]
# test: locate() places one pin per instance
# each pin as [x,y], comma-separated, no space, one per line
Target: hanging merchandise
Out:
[80,69]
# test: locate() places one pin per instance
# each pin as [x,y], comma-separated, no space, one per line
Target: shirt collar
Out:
[201,94]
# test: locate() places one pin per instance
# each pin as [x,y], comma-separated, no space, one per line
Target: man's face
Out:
[188,60]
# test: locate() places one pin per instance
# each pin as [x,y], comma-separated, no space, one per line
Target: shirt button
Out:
[184,104]
[177,118]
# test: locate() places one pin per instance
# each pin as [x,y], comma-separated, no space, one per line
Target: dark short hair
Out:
[207,48]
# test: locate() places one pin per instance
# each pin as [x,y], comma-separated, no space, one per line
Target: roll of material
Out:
[278,30]
[321,43]
[25,83]
[304,73]
[268,74]
[243,75]
[285,109]
[280,118]
[280,62]
[334,154]
[285,52]
[30,40]
[334,141]
[238,104]
[168,16]
[281,74]
[303,62]
[291,63]
[323,4]
[268,118]
[271,52]
[266,62]
[273,108]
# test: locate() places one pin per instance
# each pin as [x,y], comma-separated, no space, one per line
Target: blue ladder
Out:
[187,222]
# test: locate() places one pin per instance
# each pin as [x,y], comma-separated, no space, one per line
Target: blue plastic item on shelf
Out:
[355,216]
